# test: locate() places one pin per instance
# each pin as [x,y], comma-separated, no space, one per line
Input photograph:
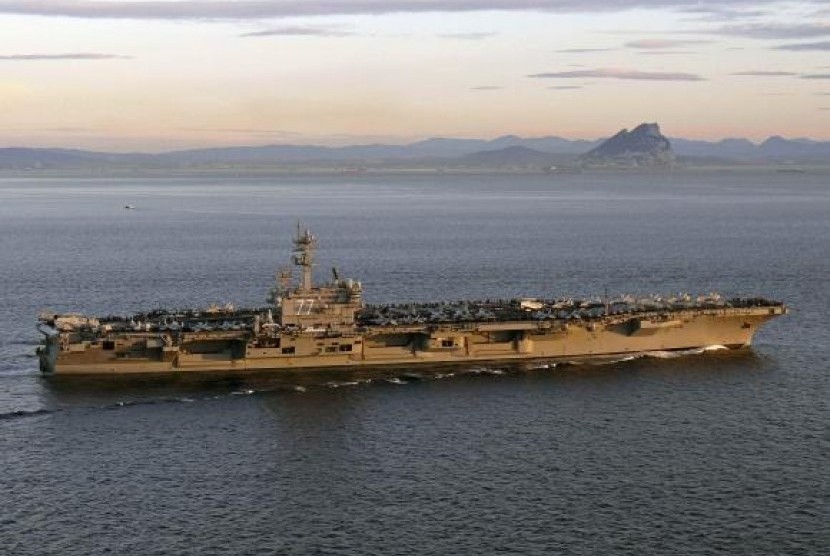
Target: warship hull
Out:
[380,346]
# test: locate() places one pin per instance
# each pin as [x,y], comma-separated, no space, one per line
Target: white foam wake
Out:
[683,352]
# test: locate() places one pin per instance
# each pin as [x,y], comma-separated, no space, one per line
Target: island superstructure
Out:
[308,326]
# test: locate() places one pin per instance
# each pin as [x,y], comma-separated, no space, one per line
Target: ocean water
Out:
[716,453]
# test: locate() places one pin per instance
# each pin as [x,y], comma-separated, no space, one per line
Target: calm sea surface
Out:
[708,454]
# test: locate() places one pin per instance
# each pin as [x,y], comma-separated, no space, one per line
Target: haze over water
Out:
[722,453]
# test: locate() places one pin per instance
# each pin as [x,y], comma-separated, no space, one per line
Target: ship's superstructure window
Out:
[346,347]
[288,350]
[447,343]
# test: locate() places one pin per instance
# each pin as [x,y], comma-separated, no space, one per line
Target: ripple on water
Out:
[717,453]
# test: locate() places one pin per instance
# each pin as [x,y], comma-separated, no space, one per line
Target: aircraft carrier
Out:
[308,326]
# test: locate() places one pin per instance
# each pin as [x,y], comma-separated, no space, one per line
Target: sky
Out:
[130,75]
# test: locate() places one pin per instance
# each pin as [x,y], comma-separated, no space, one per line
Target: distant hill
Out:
[20,158]
[781,149]
[516,156]
[738,149]
[774,149]
[643,146]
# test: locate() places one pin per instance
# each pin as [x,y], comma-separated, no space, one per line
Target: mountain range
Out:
[508,151]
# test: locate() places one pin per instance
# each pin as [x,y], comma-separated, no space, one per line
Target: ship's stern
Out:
[47,351]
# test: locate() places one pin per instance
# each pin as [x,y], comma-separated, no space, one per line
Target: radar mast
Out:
[304,246]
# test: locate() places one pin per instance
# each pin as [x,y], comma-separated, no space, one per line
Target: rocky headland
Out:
[642,147]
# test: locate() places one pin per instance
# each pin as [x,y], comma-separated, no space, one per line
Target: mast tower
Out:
[304,246]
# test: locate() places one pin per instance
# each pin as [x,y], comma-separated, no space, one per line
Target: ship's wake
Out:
[24,414]
[683,352]
[613,360]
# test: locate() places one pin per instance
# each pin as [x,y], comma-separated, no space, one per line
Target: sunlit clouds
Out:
[152,76]
[617,73]
[61,56]
[257,9]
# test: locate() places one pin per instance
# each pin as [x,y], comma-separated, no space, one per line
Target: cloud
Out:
[719,14]
[258,9]
[616,73]
[825,45]
[280,132]
[662,44]
[583,50]
[665,52]
[61,130]
[565,87]
[816,76]
[63,56]
[466,36]
[486,88]
[299,31]
[764,73]
[773,31]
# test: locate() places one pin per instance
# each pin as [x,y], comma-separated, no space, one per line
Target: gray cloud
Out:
[816,76]
[299,31]
[61,130]
[769,31]
[662,44]
[249,131]
[565,87]
[62,56]
[764,73]
[583,50]
[613,73]
[256,9]
[466,36]
[486,88]
[719,14]
[665,52]
[825,45]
